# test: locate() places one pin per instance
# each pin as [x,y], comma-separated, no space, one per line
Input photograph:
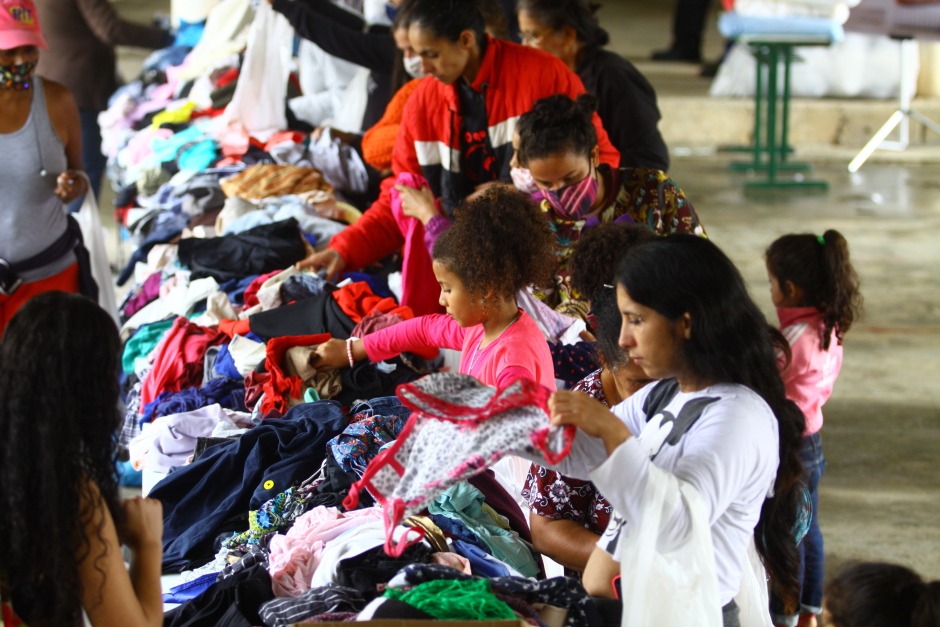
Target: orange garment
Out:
[65,281]
[378,141]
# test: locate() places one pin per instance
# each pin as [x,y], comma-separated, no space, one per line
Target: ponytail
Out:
[820,266]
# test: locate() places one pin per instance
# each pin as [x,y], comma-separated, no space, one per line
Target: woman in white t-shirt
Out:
[717,424]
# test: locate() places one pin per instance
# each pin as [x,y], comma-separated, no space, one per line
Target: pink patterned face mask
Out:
[571,201]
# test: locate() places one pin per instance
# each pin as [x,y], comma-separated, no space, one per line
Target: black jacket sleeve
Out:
[372,50]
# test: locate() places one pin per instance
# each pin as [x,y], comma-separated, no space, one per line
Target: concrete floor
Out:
[880,497]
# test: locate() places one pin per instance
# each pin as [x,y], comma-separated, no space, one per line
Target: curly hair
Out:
[58,417]
[578,14]
[592,265]
[730,342]
[557,125]
[820,267]
[500,241]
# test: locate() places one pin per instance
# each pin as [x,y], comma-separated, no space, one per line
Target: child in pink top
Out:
[499,243]
[815,290]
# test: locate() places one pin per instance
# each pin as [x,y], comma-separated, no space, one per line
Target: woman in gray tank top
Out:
[40,144]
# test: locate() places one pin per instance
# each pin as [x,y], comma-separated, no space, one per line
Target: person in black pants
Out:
[688,22]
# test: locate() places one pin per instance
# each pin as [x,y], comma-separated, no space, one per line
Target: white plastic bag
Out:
[93,234]
[668,588]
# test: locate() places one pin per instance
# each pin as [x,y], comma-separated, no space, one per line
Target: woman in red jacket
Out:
[456,133]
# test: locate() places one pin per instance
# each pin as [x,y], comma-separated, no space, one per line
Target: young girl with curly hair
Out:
[815,290]
[498,244]
[63,523]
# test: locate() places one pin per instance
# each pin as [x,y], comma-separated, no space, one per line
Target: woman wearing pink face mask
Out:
[558,146]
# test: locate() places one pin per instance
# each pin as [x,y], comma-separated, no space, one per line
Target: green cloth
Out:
[455,599]
[143,342]
[464,502]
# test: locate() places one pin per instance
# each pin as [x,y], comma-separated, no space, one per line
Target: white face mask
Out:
[413,66]
[522,179]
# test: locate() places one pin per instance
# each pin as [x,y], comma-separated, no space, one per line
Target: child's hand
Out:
[331,355]
[588,415]
[417,203]
[143,523]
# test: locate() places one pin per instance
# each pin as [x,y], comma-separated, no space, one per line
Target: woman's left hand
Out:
[417,203]
[70,185]
[588,415]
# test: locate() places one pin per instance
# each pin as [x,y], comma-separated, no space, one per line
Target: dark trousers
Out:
[688,24]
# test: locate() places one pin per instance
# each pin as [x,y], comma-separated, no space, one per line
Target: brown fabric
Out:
[81,35]
[259,181]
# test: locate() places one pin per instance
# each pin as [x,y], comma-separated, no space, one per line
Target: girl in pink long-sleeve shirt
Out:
[499,243]
[815,290]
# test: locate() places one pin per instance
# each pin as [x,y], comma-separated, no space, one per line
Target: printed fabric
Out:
[556,496]
[457,429]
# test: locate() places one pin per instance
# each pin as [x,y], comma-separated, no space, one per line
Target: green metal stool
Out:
[770,149]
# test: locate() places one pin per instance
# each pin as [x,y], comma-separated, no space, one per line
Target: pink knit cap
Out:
[19,25]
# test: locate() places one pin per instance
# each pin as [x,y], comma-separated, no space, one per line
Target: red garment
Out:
[357,301]
[428,143]
[281,387]
[231,328]
[179,359]
[251,292]
[65,281]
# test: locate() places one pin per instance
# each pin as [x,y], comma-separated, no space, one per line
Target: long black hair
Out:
[578,14]
[730,342]
[557,125]
[58,419]
[820,266]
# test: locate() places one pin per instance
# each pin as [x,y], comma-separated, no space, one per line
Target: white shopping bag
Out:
[93,234]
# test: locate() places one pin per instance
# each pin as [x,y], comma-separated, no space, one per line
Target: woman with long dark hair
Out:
[62,518]
[718,424]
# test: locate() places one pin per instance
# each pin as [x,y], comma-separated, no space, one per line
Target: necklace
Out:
[473,355]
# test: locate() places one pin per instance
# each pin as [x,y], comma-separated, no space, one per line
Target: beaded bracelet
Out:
[349,355]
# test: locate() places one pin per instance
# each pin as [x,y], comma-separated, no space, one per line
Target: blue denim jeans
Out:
[812,553]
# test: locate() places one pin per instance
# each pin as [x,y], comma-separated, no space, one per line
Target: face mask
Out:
[17,76]
[572,201]
[522,179]
[413,66]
